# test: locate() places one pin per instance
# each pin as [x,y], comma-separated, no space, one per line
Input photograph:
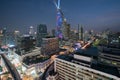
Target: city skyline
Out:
[96,15]
[59,40]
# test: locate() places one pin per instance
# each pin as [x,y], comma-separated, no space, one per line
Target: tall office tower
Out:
[4,31]
[59,21]
[49,45]
[86,36]
[4,36]
[41,33]
[66,30]
[80,32]
[1,37]
[27,43]
[83,66]
[73,34]
[81,29]
[91,33]
[31,31]
[17,37]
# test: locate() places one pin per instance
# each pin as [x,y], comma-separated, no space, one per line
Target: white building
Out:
[71,71]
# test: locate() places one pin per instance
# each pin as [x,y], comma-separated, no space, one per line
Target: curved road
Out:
[46,73]
[11,68]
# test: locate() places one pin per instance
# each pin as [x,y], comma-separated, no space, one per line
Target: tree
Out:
[96,43]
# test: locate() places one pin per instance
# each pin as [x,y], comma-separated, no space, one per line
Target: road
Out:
[46,73]
[11,68]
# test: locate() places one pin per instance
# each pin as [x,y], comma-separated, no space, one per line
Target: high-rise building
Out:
[1,37]
[4,32]
[73,34]
[17,37]
[80,32]
[31,31]
[27,43]
[66,30]
[49,45]
[41,33]
[83,66]
[59,21]
[86,36]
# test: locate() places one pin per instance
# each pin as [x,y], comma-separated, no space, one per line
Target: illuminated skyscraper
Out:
[59,22]
[31,32]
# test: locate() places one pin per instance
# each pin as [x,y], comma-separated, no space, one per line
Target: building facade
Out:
[49,45]
[31,31]
[80,33]
[66,30]
[110,56]
[27,43]
[71,71]
[41,33]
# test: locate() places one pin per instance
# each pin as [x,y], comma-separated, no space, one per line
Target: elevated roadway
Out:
[11,68]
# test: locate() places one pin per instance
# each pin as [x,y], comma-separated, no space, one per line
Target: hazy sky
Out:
[92,14]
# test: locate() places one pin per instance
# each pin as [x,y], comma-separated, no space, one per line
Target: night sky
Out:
[92,14]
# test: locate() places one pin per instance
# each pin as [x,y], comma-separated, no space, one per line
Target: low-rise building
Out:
[36,65]
[110,56]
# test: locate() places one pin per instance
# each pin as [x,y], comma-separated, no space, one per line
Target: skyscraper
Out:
[31,31]
[66,30]
[80,32]
[1,37]
[4,36]
[27,43]
[41,33]
[17,37]
[49,45]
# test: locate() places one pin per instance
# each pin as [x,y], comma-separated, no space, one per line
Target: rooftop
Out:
[112,51]
[33,51]
[34,59]
[106,68]
[90,52]
[97,66]
[63,49]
